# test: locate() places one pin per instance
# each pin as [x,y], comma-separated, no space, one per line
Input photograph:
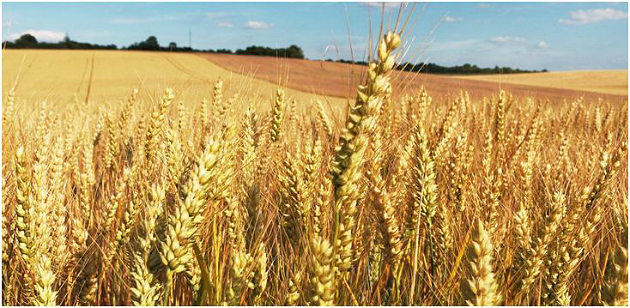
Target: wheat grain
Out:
[322,274]
[481,288]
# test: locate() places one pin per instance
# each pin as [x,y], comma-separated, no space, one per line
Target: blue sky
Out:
[556,36]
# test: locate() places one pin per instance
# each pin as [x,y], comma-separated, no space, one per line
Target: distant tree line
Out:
[293,51]
[29,41]
[151,43]
[466,69]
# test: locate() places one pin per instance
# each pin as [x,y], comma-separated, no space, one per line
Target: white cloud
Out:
[225,24]
[41,35]
[252,24]
[448,18]
[508,40]
[515,43]
[388,5]
[582,17]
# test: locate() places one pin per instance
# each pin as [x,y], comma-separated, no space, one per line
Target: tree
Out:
[172,46]
[26,40]
[295,52]
[151,43]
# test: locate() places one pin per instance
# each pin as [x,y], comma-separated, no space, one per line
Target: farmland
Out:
[607,82]
[136,178]
[63,77]
[340,79]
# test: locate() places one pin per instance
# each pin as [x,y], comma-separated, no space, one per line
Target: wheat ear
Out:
[481,288]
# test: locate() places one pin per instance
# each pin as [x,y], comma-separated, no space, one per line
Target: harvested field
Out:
[340,79]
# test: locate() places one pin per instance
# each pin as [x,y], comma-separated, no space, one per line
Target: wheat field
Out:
[98,78]
[199,196]
[603,81]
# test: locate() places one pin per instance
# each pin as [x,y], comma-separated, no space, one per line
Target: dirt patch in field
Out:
[341,80]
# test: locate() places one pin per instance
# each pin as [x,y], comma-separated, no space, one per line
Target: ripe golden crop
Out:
[200,196]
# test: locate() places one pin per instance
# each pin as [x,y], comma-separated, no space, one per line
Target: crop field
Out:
[341,79]
[138,178]
[607,82]
[93,78]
